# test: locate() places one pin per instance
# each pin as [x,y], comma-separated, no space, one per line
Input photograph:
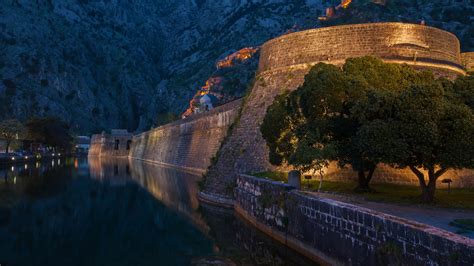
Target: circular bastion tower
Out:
[284,61]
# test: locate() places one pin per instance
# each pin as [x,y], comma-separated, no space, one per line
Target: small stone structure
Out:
[116,144]
[284,62]
[341,233]
[189,144]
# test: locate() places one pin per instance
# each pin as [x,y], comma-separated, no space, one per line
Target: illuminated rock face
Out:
[284,62]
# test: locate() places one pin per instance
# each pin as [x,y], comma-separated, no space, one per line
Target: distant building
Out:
[116,144]
[83,144]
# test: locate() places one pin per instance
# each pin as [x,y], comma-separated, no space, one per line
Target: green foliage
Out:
[456,198]
[165,118]
[275,176]
[317,123]
[51,131]
[423,127]
[11,130]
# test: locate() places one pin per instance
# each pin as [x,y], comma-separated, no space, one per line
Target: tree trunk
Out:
[364,181]
[7,147]
[428,190]
[320,180]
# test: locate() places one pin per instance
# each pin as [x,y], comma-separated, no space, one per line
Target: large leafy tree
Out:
[11,130]
[315,124]
[423,128]
[51,131]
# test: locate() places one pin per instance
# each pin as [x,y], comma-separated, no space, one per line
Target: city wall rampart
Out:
[468,61]
[412,44]
[110,145]
[189,144]
[285,61]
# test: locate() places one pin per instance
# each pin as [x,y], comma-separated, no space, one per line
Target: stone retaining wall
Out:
[341,233]
[189,144]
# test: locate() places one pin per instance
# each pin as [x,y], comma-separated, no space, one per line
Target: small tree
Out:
[422,128]
[11,130]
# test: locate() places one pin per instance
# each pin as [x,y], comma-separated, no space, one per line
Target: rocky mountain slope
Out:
[103,64]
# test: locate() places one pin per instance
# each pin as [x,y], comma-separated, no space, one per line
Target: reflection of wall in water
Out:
[176,189]
[110,169]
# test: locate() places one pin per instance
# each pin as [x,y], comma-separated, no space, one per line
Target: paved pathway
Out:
[437,217]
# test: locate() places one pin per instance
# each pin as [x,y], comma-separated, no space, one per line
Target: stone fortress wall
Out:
[468,61]
[412,44]
[284,62]
[189,144]
[115,144]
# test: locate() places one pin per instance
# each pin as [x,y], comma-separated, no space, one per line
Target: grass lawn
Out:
[388,193]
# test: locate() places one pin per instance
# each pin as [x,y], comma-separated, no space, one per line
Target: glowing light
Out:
[239,56]
[345,3]
[13,168]
[26,166]
[14,180]
[26,157]
[13,158]
[215,83]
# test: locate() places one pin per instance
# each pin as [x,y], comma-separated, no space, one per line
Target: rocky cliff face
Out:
[114,63]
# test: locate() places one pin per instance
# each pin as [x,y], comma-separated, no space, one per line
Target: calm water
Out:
[116,212]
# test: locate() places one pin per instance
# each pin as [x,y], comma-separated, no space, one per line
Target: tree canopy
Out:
[11,130]
[347,115]
[422,128]
[51,131]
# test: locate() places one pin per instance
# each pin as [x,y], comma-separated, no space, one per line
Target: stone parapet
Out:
[341,233]
[412,44]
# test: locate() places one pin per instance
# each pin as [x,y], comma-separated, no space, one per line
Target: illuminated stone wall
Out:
[412,44]
[104,145]
[190,143]
[468,61]
[385,174]
[284,62]
[338,233]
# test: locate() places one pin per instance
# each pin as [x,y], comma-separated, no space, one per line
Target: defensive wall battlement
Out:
[468,61]
[286,60]
[412,44]
[189,144]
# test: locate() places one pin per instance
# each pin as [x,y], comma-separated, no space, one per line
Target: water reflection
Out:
[120,212]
